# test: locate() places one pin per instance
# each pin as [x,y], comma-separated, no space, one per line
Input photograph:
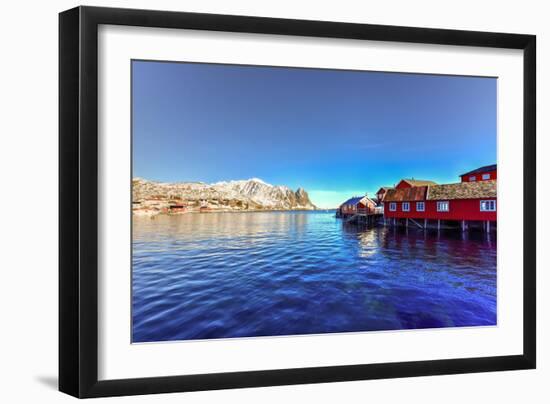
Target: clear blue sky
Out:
[335,133]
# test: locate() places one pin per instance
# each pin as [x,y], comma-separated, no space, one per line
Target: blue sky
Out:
[335,133]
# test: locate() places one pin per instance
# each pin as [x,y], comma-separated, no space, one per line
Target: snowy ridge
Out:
[251,194]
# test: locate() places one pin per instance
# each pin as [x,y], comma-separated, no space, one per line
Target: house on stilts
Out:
[469,203]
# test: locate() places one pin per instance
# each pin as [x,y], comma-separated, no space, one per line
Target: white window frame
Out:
[486,177]
[472,178]
[419,204]
[443,203]
[492,205]
[393,206]
[405,206]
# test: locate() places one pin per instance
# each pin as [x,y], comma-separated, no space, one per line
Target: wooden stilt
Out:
[464,225]
[438,224]
[425,223]
[407,222]
[488,226]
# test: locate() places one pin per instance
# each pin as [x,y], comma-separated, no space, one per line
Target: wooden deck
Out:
[367,216]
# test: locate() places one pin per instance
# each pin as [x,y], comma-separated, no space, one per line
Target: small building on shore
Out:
[357,204]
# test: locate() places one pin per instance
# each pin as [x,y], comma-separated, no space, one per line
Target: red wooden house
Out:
[461,202]
[472,201]
[405,202]
[358,204]
[484,173]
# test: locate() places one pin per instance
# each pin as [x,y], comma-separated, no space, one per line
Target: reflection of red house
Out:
[485,173]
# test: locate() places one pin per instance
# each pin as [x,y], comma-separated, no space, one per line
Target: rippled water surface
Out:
[222,275]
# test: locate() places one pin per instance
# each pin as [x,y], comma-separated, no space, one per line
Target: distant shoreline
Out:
[157,213]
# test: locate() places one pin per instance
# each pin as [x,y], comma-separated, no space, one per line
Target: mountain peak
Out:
[251,194]
[259,180]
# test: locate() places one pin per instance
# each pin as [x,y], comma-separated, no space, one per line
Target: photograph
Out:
[272,201]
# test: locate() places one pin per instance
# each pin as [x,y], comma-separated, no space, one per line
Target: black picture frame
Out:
[78,201]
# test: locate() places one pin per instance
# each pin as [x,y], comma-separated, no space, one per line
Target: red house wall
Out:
[466,177]
[399,214]
[403,184]
[459,209]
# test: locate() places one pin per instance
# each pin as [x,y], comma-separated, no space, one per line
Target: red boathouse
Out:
[484,173]
[461,203]
[358,204]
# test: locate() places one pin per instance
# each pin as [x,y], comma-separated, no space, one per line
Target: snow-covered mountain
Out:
[251,194]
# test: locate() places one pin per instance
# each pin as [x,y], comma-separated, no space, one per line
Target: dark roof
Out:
[353,201]
[405,194]
[383,189]
[356,199]
[417,183]
[484,169]
[463,190]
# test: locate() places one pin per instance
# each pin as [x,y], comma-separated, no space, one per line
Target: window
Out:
[420,206]
[486,177]
[393,206]
[472,178]
[443,206]
[406,206]
[488,206]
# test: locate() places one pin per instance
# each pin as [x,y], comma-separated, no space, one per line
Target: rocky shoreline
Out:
[151,212]
[150,198]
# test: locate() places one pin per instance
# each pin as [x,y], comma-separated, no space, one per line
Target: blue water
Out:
[223,275]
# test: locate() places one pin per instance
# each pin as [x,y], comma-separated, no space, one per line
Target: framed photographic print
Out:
[251,201]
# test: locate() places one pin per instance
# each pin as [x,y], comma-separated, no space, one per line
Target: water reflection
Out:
[220,275]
